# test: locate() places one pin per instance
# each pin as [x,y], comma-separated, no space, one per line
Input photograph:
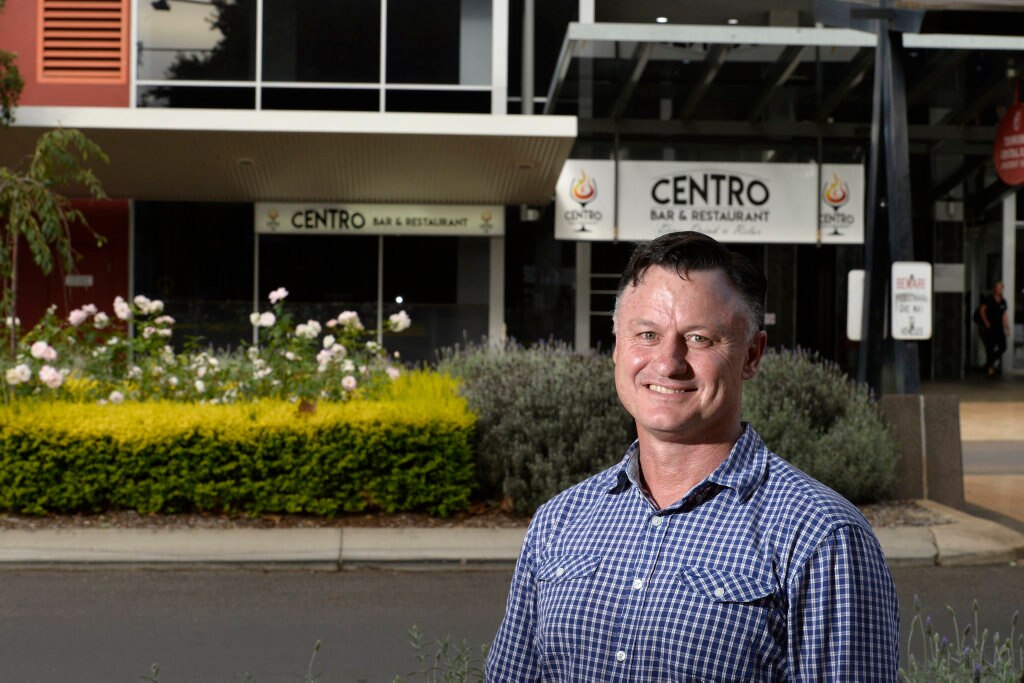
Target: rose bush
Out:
[94,356]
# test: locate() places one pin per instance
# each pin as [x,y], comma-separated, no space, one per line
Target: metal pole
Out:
[527,60]
[380,289]
[889,232]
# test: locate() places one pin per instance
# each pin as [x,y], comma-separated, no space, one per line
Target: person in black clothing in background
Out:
[994,329]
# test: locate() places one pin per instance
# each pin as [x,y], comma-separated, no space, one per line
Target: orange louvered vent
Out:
[83,41]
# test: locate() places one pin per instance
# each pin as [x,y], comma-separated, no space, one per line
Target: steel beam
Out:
[992,94]
[713,62]
[981,135]
[788,61]
[862,63]
[937,71]
[641,55]
[561,72]
[965,170]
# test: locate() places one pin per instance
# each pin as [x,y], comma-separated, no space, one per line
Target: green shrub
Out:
[811,413]
[408,450]
[547,418]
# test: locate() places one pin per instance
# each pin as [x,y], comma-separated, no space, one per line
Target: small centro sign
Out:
[379,219]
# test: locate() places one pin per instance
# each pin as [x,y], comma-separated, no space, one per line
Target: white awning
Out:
[230,155]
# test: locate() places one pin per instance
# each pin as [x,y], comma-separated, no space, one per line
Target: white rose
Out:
[19,374]
[50,376]
[400,321]
[116,397]
[101,320]
[121,309]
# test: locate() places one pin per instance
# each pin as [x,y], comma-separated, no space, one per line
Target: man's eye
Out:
[699,340]
[648,336]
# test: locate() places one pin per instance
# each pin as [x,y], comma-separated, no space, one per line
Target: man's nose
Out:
[671,359]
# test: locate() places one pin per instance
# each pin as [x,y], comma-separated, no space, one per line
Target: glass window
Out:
[423,41]
[202,97]
[196,41]
[321,41]
[324,274]
[443,285]
[456,101]
[321,99]
[197,258]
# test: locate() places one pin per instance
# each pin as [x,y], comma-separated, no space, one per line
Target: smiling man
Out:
[702,556]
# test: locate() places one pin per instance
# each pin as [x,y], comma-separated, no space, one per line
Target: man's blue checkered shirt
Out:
[760,573]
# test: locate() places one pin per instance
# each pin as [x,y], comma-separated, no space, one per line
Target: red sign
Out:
[1008,152]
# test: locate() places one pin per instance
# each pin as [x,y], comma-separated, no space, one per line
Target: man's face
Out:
[682,351]
[998,289]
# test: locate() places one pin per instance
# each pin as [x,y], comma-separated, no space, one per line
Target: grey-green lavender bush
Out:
[548,417]
[812,414]
[971,655]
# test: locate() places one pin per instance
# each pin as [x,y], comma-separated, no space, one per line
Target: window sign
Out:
[854,304]
[911,300]
[378,219]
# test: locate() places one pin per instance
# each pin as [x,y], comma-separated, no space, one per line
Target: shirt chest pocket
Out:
[724,587]
[566,586]
[725,622]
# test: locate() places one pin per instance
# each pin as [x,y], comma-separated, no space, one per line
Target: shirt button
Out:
[719,592]
[638,584]
[559,571]
[656,522]
[620,656]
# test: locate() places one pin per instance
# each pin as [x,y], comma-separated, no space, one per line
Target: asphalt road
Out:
[217,625]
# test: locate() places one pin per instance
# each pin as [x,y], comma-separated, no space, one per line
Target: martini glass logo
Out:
[583,191]
[485,217]
[272,216]
[836,194]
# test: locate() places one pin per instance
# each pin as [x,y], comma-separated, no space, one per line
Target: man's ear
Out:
[755,352]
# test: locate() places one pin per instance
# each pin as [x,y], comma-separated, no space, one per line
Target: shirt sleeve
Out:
[843,619]
[512,655]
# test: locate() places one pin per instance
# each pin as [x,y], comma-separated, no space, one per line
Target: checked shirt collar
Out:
[742,471]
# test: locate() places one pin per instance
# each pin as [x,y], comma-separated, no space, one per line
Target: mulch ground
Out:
[891,513]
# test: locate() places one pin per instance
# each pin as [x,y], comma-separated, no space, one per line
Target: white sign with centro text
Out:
[733,202]
[378,219]
[911,300]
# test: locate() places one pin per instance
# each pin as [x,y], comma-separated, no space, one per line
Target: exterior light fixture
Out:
[733,22]
[662,20]
[399,299]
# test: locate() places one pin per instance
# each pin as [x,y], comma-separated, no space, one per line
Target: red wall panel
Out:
[19,33]
[108,266]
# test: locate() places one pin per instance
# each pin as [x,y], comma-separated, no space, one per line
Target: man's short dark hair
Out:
[689,250]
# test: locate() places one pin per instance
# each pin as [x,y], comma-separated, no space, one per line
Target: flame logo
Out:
[835,193]
[584,190]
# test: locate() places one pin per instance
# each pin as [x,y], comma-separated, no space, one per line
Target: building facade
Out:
[383,154]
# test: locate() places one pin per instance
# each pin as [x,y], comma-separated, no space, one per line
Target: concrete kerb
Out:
[322,547]
[965,540]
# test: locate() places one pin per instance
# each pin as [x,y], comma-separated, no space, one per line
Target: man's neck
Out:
[671,470]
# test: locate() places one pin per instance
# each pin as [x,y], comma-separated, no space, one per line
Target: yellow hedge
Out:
[408,449]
